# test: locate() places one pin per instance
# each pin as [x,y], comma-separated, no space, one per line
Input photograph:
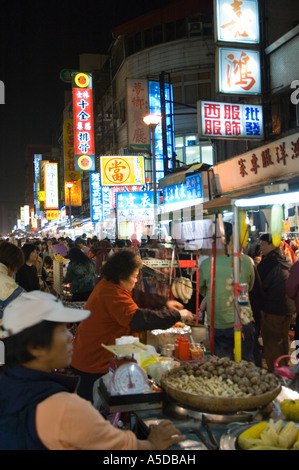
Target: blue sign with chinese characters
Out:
[96,199]
[191,189]
[135,205]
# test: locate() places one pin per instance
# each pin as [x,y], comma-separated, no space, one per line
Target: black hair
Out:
[27,249]
[228,229]
[77,256]
[11,256]
[121,265]
[266,237]
[16,346]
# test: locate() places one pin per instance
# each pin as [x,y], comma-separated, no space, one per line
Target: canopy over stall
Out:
[271,200]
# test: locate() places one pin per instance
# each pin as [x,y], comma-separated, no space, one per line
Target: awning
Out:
[221,203]
[179,176]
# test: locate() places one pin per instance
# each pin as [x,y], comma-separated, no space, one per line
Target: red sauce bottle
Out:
[184,349]
[177,346]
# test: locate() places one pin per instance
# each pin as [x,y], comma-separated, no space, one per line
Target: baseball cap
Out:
[31,308]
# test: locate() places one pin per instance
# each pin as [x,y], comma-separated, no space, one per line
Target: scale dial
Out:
[130,378]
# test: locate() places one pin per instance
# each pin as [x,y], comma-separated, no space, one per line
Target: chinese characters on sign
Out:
[70,174]
[237,21]
[155,107]
[239,71]
[274,161]
[121,170]
[278,155]
[83,122]
[53,215]
[191,189]
[230,120]
[96,200]
[132,206]
[137,108]
[51,185]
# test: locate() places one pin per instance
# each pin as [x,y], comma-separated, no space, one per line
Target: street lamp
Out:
[69,186]
[152,120]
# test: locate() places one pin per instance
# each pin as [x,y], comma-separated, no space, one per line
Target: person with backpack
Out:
[277,307]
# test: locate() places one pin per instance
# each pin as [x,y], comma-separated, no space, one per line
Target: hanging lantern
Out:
[243,229]
[276,224]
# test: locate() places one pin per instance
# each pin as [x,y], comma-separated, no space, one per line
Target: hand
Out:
[174,305]
[186,316]
[164,435]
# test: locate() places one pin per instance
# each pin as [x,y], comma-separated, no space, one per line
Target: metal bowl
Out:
[167,350]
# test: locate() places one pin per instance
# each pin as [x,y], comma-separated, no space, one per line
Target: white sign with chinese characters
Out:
[237,21]
[238,71]
[230,120]
[277,161]
[137,108]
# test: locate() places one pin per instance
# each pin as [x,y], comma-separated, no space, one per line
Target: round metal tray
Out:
[218,404]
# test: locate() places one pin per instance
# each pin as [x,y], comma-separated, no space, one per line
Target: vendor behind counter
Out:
[117,310]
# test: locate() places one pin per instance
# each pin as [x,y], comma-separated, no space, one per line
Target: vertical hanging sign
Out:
[51,185]
[83,122]
[137,106]
[237,21]
[96,201]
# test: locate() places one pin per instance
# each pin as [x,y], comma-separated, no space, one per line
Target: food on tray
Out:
[182,289]
[179,324]
[270,435]
[290,409]
[222,378]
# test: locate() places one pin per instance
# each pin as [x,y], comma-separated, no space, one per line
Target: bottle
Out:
[177,346]
[184,349]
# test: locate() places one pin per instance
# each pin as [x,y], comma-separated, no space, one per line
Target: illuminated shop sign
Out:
[238,71]
[53,215]
[76,193]
[83,122]
[96,199]
[136,205]
[275,161]
[122,170]
[237,21]
[230,120]
[191,189]
[51,185]
[155,107]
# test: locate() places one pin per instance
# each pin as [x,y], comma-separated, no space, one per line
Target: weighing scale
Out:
[130,384]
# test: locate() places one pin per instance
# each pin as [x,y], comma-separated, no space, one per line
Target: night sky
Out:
[39,38]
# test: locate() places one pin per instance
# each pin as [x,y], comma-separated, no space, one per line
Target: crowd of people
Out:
[105,277]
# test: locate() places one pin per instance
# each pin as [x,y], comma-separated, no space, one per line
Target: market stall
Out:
[212,401]
[275,203]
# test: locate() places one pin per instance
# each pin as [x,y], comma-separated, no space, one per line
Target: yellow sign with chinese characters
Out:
[121,170]
[76,194]
[53,215]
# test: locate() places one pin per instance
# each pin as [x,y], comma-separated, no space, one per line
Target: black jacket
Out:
[274,270]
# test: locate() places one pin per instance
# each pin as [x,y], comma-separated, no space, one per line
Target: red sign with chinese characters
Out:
[230,120]
[83,121]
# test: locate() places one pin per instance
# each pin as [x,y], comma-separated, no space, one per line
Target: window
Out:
[189,150]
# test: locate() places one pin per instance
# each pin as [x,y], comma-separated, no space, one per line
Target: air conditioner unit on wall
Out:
[195,28]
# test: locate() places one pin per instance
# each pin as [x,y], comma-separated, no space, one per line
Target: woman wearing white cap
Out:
[38,407]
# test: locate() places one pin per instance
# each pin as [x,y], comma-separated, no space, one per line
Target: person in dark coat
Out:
[292,290]
[277,307]
[27,276]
